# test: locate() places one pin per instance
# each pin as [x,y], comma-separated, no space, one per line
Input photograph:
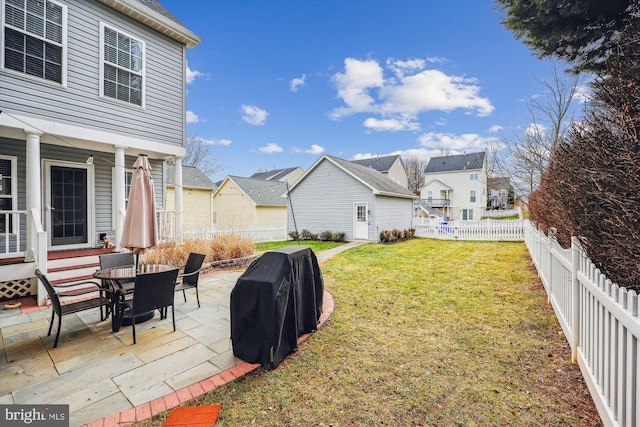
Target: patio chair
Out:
[118,260]
[153,291]
[99,300]
[189,277]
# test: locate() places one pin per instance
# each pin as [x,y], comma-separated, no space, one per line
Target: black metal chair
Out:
[99,300]
[118,260]
[153,291]
[189,277]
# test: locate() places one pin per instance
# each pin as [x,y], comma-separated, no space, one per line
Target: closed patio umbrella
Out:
[140,231]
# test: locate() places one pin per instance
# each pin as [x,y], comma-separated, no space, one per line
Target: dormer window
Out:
[122,66]
[34,38]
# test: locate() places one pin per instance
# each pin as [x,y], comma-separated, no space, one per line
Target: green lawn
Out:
[316,246]
[424,332]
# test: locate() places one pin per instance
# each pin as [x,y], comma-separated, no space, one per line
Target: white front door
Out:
[361,217]
[68,204]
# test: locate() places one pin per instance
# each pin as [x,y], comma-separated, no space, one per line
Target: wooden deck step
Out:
[95,265]
[71,280]
[74,253]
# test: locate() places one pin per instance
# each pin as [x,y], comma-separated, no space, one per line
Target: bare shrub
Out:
[593,181]
[231,246]
[228,246]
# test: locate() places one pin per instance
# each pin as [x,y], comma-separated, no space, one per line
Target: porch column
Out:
[34,193]
[178,198]
[119,195]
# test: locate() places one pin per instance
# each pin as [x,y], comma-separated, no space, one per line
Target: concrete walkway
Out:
[108,381]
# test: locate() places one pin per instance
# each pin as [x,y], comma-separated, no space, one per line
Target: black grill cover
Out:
[277,299]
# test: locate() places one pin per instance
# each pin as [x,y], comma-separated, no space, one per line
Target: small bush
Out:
[294,235]
[326,236]
[307,235]
[396,235]
[228,246]
[339,236]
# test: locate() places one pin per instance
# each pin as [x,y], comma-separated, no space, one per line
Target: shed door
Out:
[361,229]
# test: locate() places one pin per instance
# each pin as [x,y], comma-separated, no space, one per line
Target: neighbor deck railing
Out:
[600,321]
[486,229]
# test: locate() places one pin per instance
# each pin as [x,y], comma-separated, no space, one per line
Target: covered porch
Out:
[65,188]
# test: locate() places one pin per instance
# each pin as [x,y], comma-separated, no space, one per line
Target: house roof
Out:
[273,175]
[381,164]
[438,182]
[262,192]
[455,163]
[373,179]
[192,177]
[154,15]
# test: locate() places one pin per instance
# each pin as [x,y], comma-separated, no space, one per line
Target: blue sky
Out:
[278,83]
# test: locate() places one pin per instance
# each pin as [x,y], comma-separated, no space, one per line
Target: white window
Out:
[473,176]
[467,214]
[429,195]
[8,193]
[34,38]
[472,196]
[121,66]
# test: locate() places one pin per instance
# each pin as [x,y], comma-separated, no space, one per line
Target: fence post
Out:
[575,299]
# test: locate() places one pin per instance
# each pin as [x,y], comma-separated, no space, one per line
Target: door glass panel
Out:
[361,213]
[69,203]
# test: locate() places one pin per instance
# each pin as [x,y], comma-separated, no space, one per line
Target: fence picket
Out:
[603,322]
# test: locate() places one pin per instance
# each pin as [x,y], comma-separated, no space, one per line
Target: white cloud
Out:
[270,148]
[192,117]
[442,121]
[314,149]
[390,124]
[354,84]
[535,130]
[420,153]
[582,93]
[297,82]
[254,115]
[212,141]
[495,129]
[455,143]
[192,74]
[411,90]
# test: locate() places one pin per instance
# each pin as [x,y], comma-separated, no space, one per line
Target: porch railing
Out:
[12,233]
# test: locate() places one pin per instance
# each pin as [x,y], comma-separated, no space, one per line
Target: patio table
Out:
[117,275]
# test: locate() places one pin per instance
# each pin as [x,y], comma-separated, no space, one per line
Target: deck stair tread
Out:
[71,280]
[74,253]
[75,267]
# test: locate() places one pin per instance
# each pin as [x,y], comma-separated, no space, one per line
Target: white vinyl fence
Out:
[601,323]
[486,229]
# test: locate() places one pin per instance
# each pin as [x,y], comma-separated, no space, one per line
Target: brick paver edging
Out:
[177,398]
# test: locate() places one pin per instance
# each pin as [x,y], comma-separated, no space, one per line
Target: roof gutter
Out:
[155,20]
[404,196]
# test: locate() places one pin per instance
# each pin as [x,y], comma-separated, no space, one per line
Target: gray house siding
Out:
[324,200]
[392,213]
[102,166]
[79,103]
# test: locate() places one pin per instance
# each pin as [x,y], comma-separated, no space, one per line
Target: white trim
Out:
[14,192]
[155,20]
[46,196]
[143,72]
[63,43]
[88,137]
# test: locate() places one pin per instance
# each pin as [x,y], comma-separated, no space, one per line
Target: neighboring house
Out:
[253,207]
[500,192]
[289,175]
[342,196]
[456,185]
[390,166]
[197,196]
[85,86]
